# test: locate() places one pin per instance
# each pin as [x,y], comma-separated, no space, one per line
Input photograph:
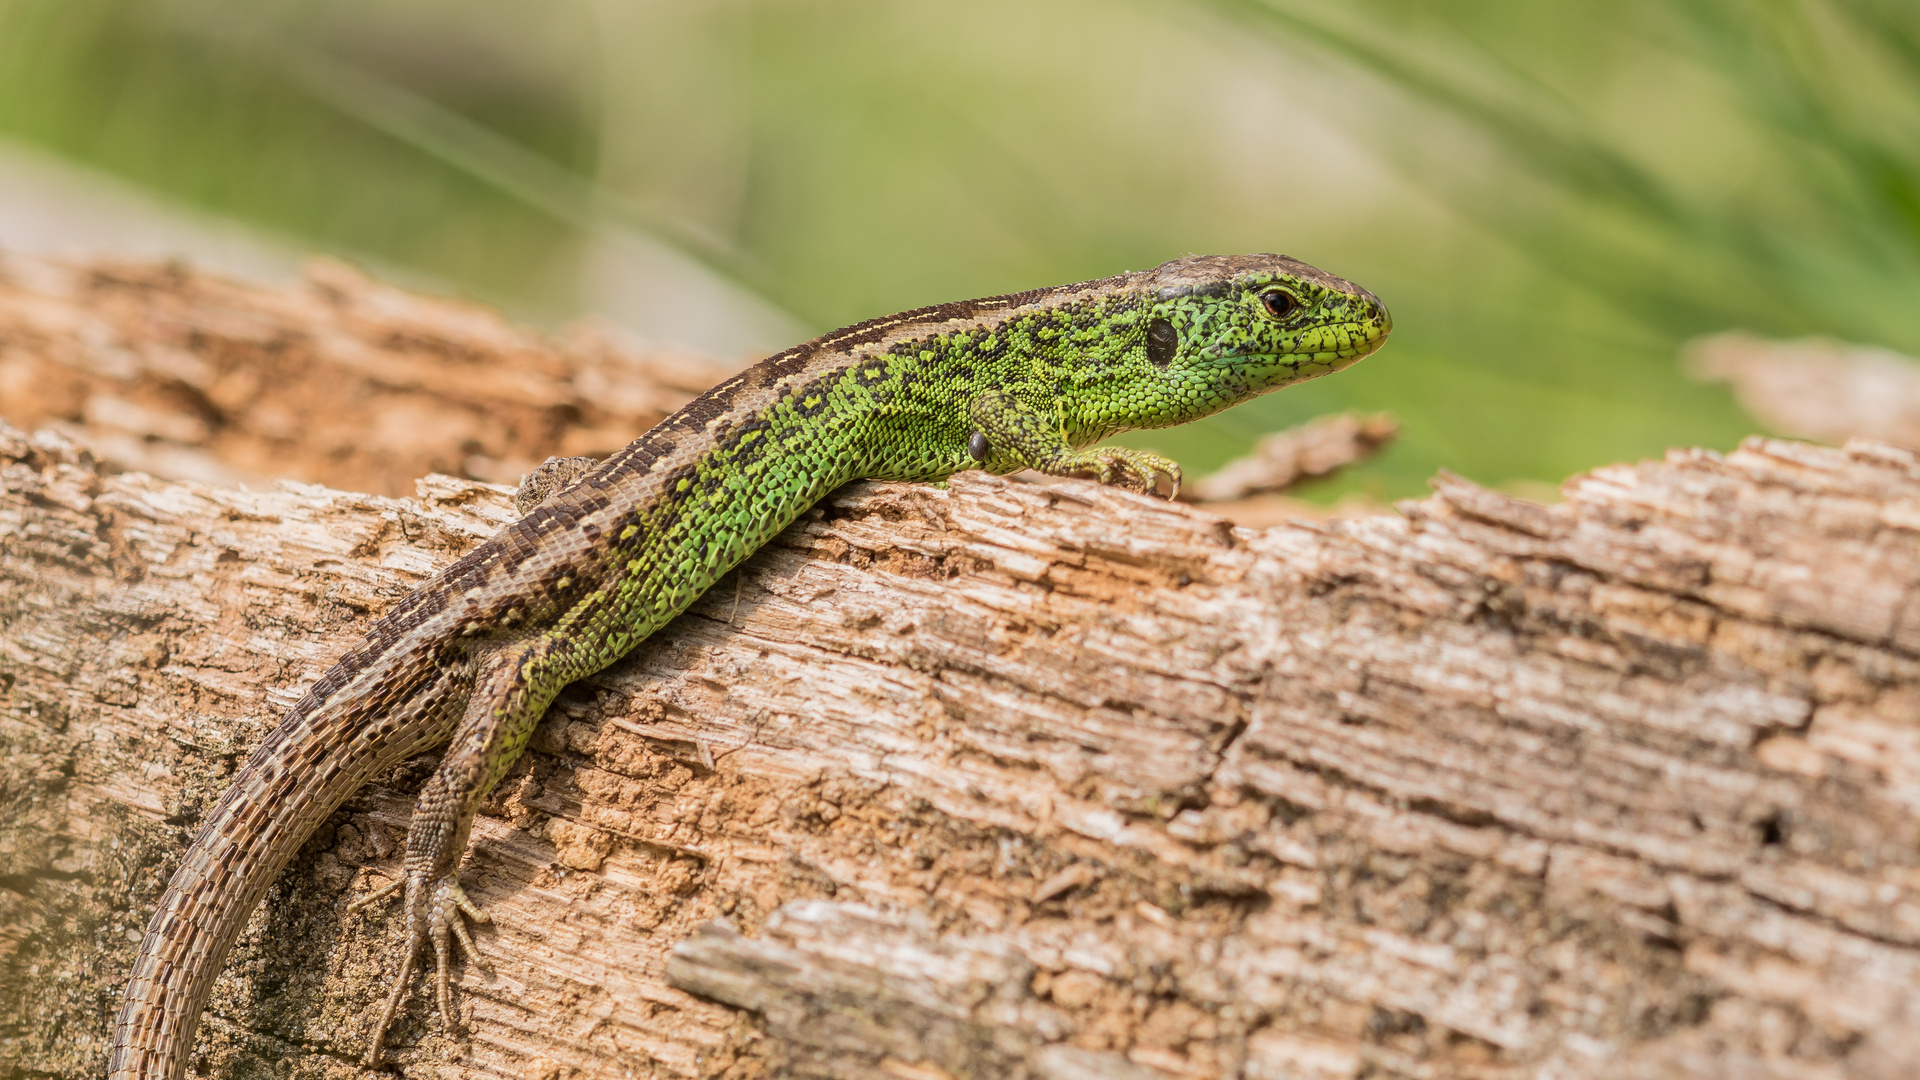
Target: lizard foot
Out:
[433,914]
[1135,470]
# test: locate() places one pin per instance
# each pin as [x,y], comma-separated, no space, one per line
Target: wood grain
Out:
[1009,780]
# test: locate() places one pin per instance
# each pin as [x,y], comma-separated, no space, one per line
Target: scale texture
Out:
[472,658]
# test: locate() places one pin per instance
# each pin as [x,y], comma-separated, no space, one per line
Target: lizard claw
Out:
[378,895]
[1139,471]
[1151,469]
[450,903]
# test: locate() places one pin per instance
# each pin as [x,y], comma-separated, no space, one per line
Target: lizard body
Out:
[472,658]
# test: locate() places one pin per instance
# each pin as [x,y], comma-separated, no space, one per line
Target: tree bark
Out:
[1009,780]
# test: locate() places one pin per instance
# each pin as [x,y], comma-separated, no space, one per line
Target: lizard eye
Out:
[1279,303]
[1162,340]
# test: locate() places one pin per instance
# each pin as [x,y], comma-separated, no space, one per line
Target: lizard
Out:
[608,553]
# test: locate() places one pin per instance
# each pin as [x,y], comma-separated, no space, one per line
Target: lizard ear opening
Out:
[1162,340]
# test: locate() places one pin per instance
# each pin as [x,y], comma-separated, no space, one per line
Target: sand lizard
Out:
[608,553]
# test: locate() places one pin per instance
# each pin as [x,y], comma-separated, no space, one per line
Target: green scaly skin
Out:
[473,657]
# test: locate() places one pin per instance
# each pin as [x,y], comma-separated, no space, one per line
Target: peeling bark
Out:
[1284,459]
[1058,782]
[1816,388]
[337,380]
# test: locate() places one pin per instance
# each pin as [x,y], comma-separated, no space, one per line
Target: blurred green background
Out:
[1552,198]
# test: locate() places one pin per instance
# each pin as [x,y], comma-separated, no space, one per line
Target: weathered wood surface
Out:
[337,379]
[1008,780]
[1816,388]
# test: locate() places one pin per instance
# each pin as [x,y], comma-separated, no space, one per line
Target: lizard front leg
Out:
[513,685]
[1009,434]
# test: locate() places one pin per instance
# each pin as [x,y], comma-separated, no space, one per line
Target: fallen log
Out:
[1008,780]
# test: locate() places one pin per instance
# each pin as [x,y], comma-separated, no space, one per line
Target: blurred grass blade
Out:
[1575,159]
[1828,241]
[493,158]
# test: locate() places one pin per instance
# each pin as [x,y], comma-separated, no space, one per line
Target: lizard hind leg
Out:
[513,684]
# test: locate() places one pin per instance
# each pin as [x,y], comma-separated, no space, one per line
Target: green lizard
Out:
[609,554]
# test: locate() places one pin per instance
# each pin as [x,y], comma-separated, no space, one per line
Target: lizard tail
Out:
[324,750]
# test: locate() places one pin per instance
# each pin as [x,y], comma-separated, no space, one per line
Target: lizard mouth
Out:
[1328,349]
[1348,342]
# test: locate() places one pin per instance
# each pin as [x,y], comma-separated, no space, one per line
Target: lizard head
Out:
[1215,331]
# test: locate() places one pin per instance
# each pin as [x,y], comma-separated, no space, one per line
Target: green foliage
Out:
[1574,189]
[147,91]
[1818,101]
